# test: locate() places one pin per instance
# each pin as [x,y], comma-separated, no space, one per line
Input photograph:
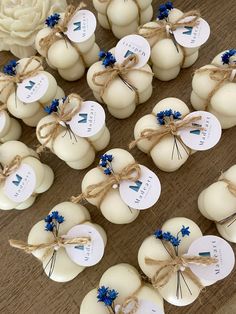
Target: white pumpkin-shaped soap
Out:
[36,89]
[218,203]
[58,262]
[123,17]
[68,135]
[72,47]
[10,128]
[113,293]
[214,88]
[27,176]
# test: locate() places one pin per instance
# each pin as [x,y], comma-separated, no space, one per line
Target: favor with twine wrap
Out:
[109,82]
[214,88]
[54,132]
[29,176]
[17,72]
[102,190]
[114,296]
[111,15]
[168,57]
[217,202]
[48,240]
[10,128]
[162,141]
[163,258]
[68,57]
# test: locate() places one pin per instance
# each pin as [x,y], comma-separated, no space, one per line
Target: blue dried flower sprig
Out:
[10,68]
[52,20]
[167,236]
[107,58]
[162,115]
[164,10]
[107,296]
[53,106]
[227,55]
[52,220]
[105,162]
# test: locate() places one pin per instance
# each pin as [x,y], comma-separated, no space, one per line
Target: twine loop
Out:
[131,172]
[130,306]
[10,168]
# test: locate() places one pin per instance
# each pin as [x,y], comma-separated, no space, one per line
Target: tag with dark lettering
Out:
[202,134]
[20,185]
[192,37]
[215,247]
[144,307]
[85,254]
[82,26]
[131,44]
[32,89]
[143,193]
[89,121]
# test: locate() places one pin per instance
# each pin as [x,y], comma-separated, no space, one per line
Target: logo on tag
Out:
[78,26]
[188,30]
[128,53]
[29,87]
[84,117]
[136,187]
[18,180]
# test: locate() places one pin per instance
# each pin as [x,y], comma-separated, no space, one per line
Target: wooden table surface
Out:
[23,286]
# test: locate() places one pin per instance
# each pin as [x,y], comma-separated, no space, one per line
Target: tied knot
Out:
[10,168]
[130,306]
[131,172]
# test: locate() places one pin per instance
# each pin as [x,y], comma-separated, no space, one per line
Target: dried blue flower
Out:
[107,58]
[167,236]
[106,295]
[175,241]
[185,231]
[227,55]
[102,54]
[52,20]
[49,227]
[158,234]
[10,68]
[53,107]
[162,115]
[52,219]
[48,219]
[169,5]
[107,171]
[164,10]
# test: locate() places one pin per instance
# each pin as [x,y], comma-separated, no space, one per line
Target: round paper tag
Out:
[203,139]
[145,307]
[20,185]
[89,121]
[133,44]
[192,37]
[215,247]
[32,89]
[82,26]
[87,254]
[143,193]
[2,120]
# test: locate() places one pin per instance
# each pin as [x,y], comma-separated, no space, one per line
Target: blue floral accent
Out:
[175,241]
[107,58]
[10,68]
[53,107]
[105,162]
[227,55]
[162,115]
[158,234]
[52,220]
[164,10]
[107,296]
[185,231]
[52,20]
[167,236]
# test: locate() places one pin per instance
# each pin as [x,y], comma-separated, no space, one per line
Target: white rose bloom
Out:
[20,20]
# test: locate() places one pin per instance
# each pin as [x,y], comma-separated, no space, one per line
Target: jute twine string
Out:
[177,263]
[62,116]
[232,189]
[119,70]
[221,76]
[170,128]
[12,81]
[3,107]
[130,305]
[131,172]
[10,168]
[58,31]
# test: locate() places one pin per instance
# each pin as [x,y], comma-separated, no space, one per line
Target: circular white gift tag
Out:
[203,139]
[143,193]
[82,26]
[32,89]
[87,254]
[133,44]
[215,247]
[20,185]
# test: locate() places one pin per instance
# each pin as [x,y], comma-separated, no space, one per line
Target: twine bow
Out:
[62,116]
[119,70]
[130,306]
[131,172]
[59,30]
[176,264]
[10,168]
[12,81]
[170,128]
[220,75]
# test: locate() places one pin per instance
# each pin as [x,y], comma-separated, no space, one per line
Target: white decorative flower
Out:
[20,20]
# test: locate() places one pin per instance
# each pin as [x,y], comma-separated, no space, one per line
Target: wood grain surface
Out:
[23,286]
